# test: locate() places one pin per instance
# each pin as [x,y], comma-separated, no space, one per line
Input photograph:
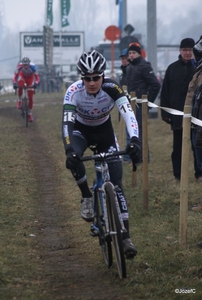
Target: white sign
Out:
[67,47]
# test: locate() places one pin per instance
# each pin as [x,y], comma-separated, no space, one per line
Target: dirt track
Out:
[66,268]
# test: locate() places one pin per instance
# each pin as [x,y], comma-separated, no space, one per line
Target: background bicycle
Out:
[25,105]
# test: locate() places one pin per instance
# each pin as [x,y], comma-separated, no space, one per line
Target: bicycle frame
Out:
[103,177]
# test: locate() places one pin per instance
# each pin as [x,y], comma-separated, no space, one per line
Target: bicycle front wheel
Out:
[104,238]
[115,229]
[25,110]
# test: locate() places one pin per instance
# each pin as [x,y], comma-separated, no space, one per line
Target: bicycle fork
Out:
[123,229]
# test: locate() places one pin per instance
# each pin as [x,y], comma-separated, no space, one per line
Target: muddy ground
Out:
[68,269]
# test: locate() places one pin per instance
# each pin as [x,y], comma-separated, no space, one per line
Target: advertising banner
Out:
[65,8]
[49,14]
[67,47]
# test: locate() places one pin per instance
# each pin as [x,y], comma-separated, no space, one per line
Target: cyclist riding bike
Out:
[26,72]
[86,121]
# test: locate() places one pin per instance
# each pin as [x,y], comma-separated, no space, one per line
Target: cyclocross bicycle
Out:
[108,223]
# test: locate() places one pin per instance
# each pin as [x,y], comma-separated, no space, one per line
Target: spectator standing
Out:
[124,63]
[173,95]
[141,80]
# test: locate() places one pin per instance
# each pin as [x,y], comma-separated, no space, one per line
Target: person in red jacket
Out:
[26,73]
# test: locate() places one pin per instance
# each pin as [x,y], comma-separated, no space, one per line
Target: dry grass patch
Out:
[30,271]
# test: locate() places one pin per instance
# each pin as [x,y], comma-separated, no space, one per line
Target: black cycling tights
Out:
[79,144]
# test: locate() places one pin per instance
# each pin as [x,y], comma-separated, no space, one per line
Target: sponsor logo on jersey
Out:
[103,111]
[118,88]
[111,149]
[93,122]
[108,84]
[69,107]
[65,130]
[72,90]
[68,95]
[133,120]
[67,140]
[102,100]
[122,100]
[95,111]
[92,116]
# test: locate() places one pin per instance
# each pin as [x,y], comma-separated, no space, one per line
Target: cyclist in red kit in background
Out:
[26,72]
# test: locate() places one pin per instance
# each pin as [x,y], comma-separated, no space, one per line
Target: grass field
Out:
[162,269]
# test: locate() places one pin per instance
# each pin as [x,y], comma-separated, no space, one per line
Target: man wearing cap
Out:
[173,95]
[124,63]
[141,80]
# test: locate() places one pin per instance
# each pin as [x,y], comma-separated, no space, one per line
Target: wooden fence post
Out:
[184,176]
[145,150]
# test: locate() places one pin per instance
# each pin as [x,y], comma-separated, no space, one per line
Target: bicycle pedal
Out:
[93,233]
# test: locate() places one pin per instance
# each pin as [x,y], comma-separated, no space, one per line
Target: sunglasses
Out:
[89,79]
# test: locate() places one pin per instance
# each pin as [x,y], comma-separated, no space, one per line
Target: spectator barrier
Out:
[187,120]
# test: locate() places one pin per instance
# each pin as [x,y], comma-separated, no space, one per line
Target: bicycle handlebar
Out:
[25,87]
[103,156]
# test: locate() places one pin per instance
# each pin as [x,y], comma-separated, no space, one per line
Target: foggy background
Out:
[175,21]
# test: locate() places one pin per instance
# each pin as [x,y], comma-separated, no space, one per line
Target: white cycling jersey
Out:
[94,110]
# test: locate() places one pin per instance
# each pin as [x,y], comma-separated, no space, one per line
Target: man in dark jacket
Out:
[140,79]
[173,95]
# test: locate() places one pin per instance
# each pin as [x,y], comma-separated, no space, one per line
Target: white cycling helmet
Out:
[91,63]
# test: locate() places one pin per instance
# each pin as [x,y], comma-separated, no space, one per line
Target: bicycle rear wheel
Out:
[104,239]
[115,228]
